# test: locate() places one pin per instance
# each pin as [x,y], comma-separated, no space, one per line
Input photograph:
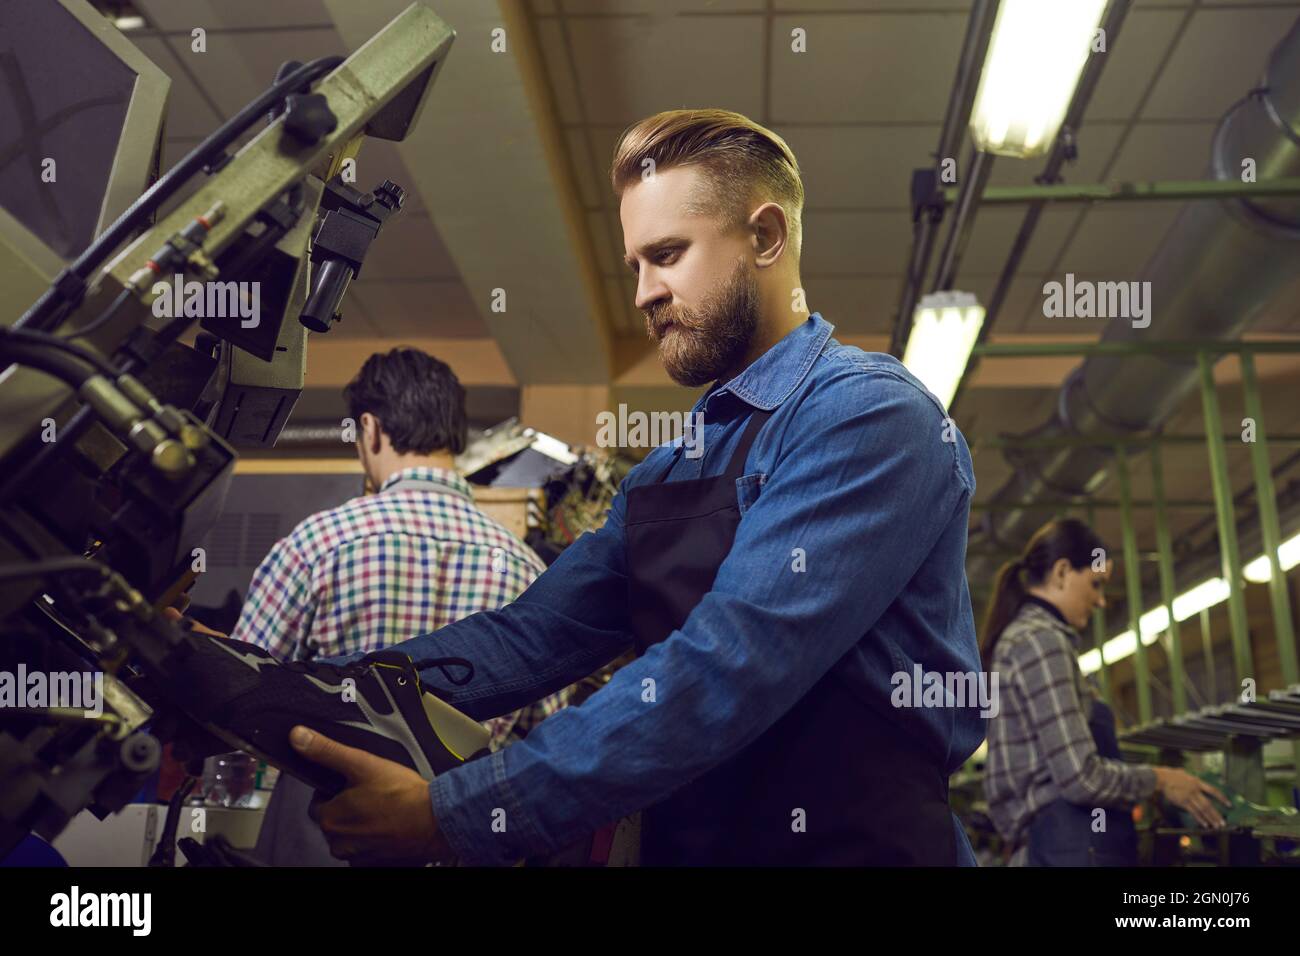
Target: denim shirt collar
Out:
[773,376]
[447,480]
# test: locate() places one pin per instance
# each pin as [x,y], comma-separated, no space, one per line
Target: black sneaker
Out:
[247,698]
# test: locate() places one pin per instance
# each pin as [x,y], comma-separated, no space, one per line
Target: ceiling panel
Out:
[559,69]
[996,228]
[864,68]
[433,309]
[1218,61]
[189,114]
[217,14]
[855,306]
[841,243]
[630,67]
[1118,239]
[1156,151]
[1133,61]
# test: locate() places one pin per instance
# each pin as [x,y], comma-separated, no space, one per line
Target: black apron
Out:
[870,792]
[1061,833]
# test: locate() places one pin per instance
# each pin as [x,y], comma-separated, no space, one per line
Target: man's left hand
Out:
[383,818]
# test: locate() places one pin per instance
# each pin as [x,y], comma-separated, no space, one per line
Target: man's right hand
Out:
[174,615]
[1190,792]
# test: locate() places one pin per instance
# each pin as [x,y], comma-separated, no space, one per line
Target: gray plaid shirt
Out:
[1040,747]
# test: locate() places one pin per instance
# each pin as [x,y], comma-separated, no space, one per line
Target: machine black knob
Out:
[308,118]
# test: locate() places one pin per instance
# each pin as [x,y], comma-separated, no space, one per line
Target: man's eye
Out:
[663,257]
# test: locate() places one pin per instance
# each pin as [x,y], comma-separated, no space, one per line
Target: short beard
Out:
[711,341]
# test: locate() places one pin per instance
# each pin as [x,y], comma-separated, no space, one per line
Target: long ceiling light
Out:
[1036,55]
[945,327]
[1288,556]
[1188,604]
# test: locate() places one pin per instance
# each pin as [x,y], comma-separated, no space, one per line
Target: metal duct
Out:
[1221,263]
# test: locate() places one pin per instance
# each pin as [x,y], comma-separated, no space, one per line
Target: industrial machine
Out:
[115,436]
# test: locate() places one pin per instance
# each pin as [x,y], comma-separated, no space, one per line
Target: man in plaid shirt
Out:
[416,556]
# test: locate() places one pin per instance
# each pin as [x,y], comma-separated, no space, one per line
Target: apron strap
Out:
[756,422]
[736,467]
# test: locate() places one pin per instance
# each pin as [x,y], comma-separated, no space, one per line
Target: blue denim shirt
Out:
[851,549]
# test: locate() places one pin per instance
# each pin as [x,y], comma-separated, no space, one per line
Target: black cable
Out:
[52,566]
[165,853]
[46,340]
[71,371]
[38,316]
[104,317]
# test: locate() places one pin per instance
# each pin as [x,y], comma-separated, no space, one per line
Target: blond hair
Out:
[743,162]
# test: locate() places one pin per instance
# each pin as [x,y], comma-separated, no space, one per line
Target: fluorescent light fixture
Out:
[1288,556]
[944,329]
[1035,56]
[1188,604]
[126,24]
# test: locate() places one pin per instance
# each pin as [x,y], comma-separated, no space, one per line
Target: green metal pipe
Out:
[1099,633]
[1165,550]
[1207,649]
[1184,189]
[1266,499]
[1134,582]
[1046,349]
[1243,662]
[1110,441]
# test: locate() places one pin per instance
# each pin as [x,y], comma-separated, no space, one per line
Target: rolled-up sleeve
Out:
[862,487]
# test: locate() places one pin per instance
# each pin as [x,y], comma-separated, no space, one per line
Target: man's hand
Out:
[172,614]
[384,817]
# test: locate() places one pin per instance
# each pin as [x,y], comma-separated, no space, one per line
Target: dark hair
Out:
[418,400]
[1067,538]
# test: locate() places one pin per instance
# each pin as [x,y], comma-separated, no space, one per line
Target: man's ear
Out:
[771,232]
[370,432]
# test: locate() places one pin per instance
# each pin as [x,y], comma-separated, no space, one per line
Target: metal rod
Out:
[1131,192]
[1165,549]
[1108,441]
[1270,531]
[1111,24]
[1046,349]
[1225,513]
[974,50]
[1134,586]
[1207,649]
[980,165]
[1099,631]
[1051,504]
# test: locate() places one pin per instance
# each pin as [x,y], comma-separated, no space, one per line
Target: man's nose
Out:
[649,289]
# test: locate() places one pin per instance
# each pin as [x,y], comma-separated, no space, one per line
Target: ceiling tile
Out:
[436,309]
[409,247]
[550,36]
[1022,294]
[1116,240]
[1134,58]
[218,14]
[853,166]
[855,242]
[237,67]
[660,8]
[1161,151]
[996,228]
[632,67]
[597,225]
[591,184]
[855,306]
[188,111]
[1218,61]
[864,67]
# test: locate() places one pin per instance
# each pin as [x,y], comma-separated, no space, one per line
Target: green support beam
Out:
[1099,633]
[1207,648]
[1134,585]
[1165,550]
[1183,189]
[1243,663]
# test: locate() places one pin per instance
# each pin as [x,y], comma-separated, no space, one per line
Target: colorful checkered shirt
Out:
[383,568]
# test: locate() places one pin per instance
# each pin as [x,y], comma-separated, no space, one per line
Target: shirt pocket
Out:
[748,489]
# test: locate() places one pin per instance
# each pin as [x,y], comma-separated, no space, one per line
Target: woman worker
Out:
[1057,788]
